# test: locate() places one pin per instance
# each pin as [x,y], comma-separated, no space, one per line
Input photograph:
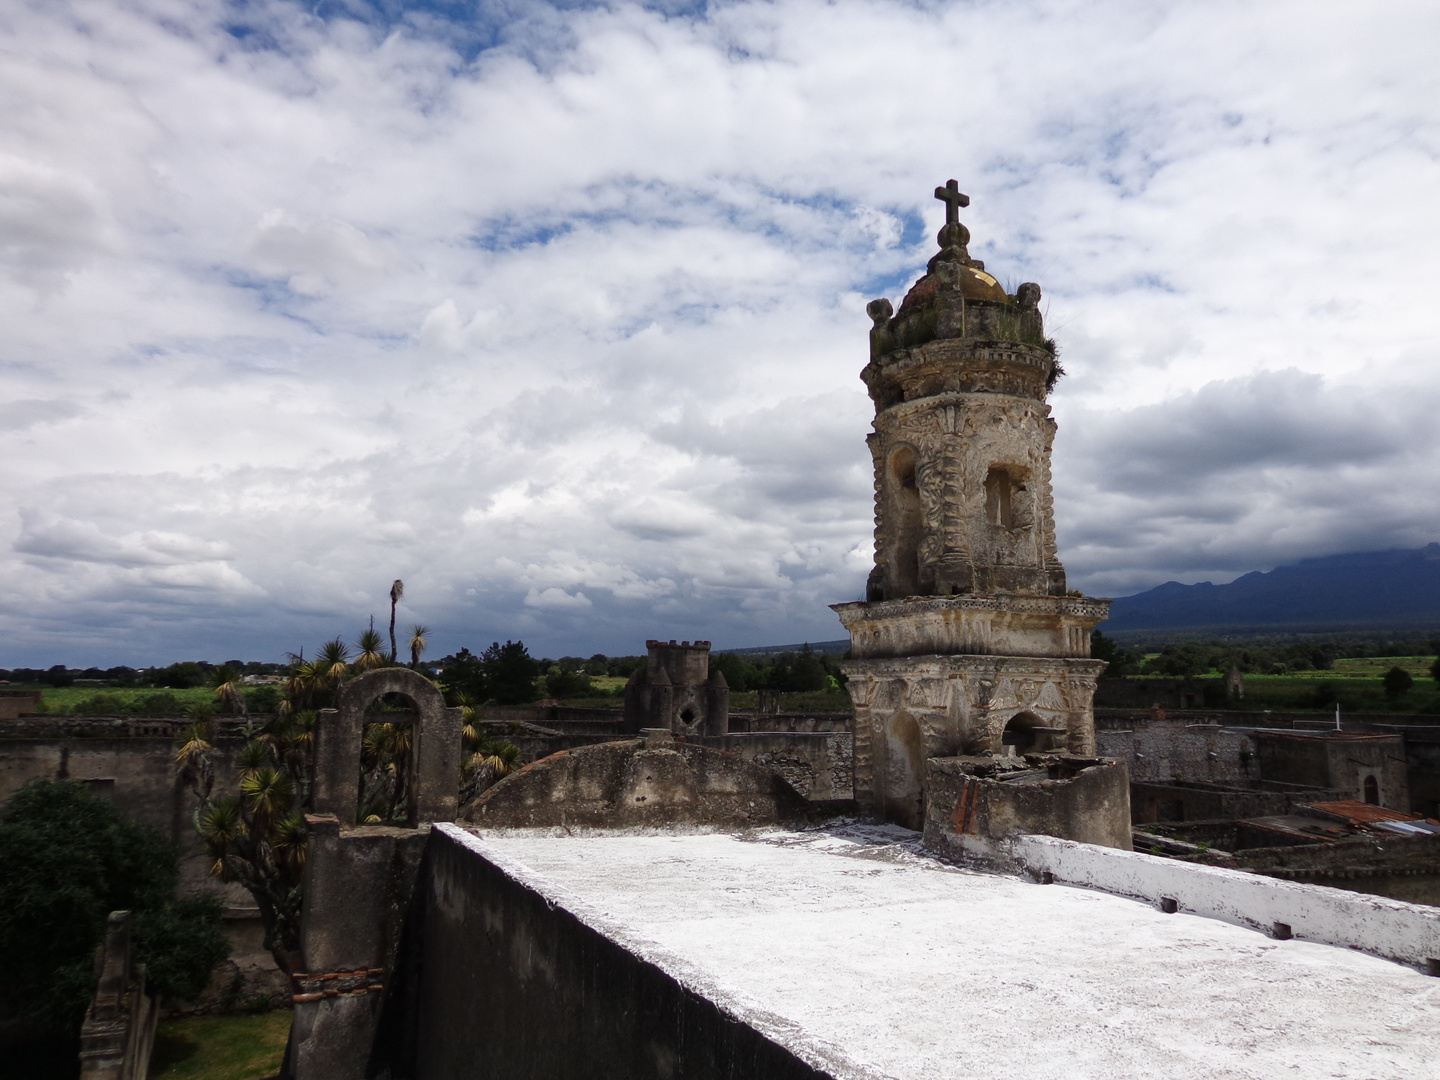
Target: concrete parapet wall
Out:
[1409,933]
[508,975]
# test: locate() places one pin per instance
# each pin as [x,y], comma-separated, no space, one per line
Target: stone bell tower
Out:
[968,641]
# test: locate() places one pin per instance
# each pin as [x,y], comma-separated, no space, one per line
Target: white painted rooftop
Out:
[869,959]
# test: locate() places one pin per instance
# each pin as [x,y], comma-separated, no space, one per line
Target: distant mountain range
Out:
[1363,592]
[836,647]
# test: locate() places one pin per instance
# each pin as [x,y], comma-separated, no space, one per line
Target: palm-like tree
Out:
[257,838]
[397,590]
[417,643]
[385,750]
[228,693]
[333,663]
[491,761]
[369,655]
[194,760]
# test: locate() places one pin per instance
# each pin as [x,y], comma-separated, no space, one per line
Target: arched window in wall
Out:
[1372,791]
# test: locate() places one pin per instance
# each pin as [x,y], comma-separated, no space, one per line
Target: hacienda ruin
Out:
[684,889]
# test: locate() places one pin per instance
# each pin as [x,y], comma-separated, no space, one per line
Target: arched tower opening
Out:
[905,761]
[909,524]
[1023,734]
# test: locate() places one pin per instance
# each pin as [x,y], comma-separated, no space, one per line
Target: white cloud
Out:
[565,330]
[556,599]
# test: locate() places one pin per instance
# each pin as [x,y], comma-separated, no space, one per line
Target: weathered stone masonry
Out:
[968,641]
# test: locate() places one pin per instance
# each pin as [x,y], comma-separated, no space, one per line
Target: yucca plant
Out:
[385,751]
[228,693]
[370,654]
[333,663]
[491,760]
[257,837]
[417,644]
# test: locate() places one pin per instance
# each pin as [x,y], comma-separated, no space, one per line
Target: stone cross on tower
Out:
[953,199]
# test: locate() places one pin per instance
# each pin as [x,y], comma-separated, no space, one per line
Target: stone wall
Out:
[741,722]
[1164,751]
[819,765]
[358,886]
[973,802]
[1198,801]
[1339,760]
[498,978]
[655,782]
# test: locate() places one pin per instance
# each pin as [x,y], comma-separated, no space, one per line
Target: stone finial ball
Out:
[879,310]
[1028,294]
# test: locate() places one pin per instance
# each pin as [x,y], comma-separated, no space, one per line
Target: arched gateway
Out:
[434,784]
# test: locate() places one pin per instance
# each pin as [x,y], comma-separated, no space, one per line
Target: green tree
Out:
[68,859]
[464,674]
[511,672]
[1122,661]
[1435,669]
[1397,682]
[740,674]
[566,684]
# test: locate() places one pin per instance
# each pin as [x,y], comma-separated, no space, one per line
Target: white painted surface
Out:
[1373,924]
[872,960]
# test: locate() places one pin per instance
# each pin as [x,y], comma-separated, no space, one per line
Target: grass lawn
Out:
[220,1047]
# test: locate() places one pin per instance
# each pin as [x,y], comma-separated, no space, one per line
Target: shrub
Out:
[1397,682]
[68,859]
[101,705]
[157,704]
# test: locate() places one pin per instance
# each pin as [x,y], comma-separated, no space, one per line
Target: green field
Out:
[1354,684]
[64,699]
[220,1047]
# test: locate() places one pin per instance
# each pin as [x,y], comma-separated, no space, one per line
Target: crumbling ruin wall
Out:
[1161,752]
[655,782]
[818,765]
[130,761]
[973,802]
[1338,760]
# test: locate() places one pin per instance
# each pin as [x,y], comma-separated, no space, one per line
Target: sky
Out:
[556,312]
